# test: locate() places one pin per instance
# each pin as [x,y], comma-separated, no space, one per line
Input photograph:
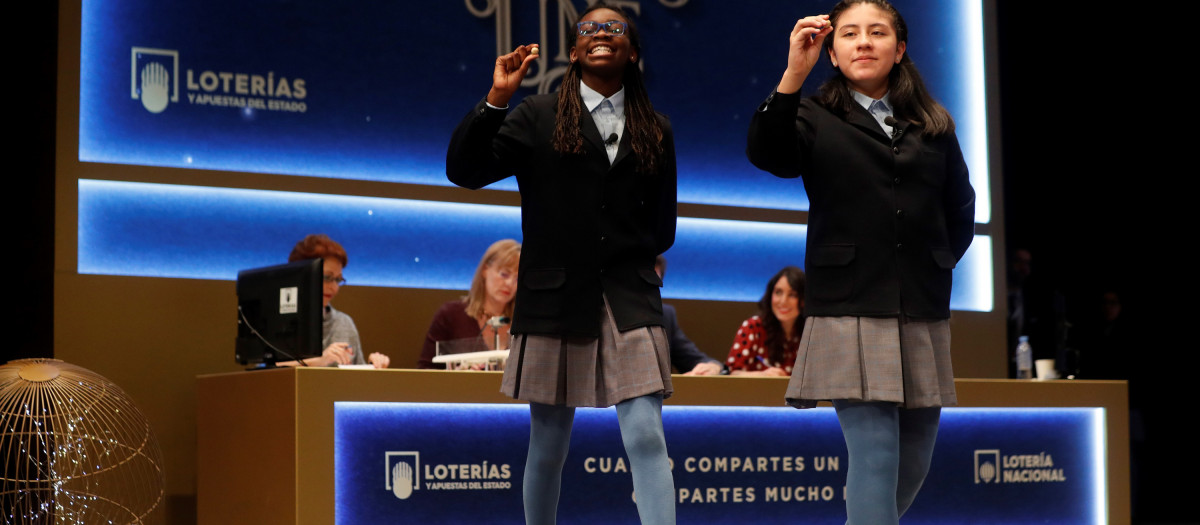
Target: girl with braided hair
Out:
[595,166]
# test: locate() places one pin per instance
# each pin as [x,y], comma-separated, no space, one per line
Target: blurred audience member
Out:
[1035,309]
[1103,342]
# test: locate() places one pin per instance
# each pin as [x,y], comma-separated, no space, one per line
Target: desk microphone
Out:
[612,139]
[496,322]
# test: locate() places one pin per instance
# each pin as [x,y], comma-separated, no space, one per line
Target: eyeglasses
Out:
[612,27]
[334,279]
[503,274]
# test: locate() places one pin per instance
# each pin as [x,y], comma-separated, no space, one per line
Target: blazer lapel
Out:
[860,118]
[623,149]
[590,133]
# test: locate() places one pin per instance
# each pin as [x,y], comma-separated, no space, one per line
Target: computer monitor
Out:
[279,312]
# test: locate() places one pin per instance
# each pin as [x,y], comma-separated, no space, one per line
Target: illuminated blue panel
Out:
[1048,455]
[729,260]
[973,278]
[972,111]
[195,232]
[387,116]
[459,463]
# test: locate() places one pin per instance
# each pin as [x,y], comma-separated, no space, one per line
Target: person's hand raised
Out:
[804,50]
[510,71]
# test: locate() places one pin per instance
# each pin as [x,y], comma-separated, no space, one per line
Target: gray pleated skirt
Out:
[589,372]
[873,359]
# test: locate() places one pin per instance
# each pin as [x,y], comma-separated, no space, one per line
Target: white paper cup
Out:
[1045,369]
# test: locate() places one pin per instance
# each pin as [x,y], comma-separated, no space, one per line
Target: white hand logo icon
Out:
[402,478]
[156,82]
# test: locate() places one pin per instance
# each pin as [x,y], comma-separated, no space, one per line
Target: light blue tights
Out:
[890,450]
[641,432]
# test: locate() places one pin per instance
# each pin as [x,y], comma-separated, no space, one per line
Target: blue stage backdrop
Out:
[452,463]
[372,90]
[166,230]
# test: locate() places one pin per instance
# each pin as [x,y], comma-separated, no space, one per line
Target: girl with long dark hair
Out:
[596,170]
[891,212]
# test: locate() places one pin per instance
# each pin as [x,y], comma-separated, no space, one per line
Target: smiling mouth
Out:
[602,49]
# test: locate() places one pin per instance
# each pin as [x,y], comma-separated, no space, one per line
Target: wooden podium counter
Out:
[265,438]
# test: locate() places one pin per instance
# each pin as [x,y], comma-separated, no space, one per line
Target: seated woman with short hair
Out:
[463,323]
[339,336]
[766,344]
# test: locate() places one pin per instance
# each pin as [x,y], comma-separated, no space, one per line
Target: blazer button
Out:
[899,247]
[899,214]
[896,150]
[896,180]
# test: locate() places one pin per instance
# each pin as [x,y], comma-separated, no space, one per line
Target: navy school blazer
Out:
[590,230]
[889,217]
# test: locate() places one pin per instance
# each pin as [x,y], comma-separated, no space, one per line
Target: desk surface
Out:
[253,425]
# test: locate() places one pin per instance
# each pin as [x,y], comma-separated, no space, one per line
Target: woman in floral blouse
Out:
[766,344]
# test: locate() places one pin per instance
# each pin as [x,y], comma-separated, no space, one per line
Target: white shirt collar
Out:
[593,98]
[866,101]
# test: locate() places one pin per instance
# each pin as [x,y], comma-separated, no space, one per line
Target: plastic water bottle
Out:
[1024,358]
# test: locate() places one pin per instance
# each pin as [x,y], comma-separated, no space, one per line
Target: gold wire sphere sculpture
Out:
[75,449]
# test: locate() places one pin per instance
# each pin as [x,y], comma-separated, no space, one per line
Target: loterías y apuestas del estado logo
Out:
[155,82]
